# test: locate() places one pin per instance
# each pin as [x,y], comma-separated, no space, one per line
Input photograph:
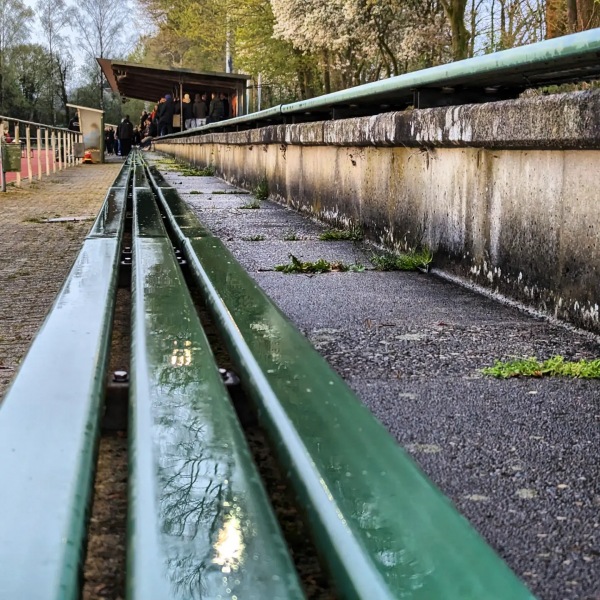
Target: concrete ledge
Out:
[558,121]
[505,194]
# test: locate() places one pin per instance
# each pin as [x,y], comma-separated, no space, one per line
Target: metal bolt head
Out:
[120,376]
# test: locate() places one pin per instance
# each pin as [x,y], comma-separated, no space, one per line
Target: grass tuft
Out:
[291,236]
[556,366]
[261,191]
[318,266]
[251,205]
[353,234]
[254,238]
[408,261]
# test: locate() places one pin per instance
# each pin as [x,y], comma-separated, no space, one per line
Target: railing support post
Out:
[53,151]
[39,155]
[17,139]
[28,152]
[46,152]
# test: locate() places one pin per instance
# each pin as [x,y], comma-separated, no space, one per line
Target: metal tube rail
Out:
[496,76]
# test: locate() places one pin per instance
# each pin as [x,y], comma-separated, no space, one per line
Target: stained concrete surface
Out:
[517,457]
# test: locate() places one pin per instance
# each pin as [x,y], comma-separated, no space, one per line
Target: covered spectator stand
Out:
[141,82]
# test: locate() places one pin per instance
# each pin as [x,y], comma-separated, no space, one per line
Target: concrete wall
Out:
[505,194]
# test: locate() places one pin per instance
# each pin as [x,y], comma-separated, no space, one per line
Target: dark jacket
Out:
[166,110]
[216,110]
[199,109]
[188,112]
[125,131]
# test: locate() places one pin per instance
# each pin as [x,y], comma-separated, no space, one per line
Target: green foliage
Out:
[291,236]
[261,191]
[254,238]
[556,366]
[319,266]
[408,261]
[251,205]
[195,192]
[353,234]
[208,171]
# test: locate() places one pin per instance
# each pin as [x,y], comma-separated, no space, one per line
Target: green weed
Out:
[251,205]
[261,191]
[207,171]
[556,366]
[354,234]
[319,266]
[409,261]
[291,236]
[254,238]
[196,192]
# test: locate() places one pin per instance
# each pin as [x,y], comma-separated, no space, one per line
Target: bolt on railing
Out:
[57,144]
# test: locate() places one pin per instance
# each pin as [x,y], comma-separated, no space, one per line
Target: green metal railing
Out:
[382,528]
[49,422]
[499,75]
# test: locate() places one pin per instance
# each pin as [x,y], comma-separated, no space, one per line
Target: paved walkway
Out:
[35,256]
[517,457]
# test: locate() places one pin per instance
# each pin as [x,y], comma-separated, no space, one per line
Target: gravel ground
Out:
[517,457]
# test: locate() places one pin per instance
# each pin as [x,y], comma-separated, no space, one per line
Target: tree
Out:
[105,31]
[570,16]
[455,11]
[15,21]
[53,15]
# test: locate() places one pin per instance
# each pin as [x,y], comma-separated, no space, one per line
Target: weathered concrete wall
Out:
[506,195]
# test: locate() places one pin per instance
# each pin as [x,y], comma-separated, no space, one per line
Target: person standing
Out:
[188,111]
[225,101]
[125,135]
[166,110]
[215,110]
[200,110]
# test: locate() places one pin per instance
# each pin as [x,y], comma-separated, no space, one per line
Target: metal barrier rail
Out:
[57,144]
[198,516]
[383,529]
[496,76]
[49,422]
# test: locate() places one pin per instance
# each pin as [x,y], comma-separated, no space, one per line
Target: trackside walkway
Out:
[35,256]
[518,457]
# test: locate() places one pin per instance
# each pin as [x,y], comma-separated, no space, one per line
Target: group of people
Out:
[192,114]
[121,141]
[159,121]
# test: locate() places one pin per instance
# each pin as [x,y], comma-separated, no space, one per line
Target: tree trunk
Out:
[455,11]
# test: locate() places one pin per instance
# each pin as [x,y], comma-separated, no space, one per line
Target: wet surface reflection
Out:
[216,539]
[418,543]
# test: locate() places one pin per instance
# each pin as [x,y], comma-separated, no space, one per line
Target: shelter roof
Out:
[144,82]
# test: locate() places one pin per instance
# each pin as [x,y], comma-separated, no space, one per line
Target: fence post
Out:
[39,156]
[2,177]
[59,136]
[17,138]
[53,137]
[46,152]
[28,151]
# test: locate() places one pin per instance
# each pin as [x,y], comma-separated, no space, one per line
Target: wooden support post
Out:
[53,151]
[17,139]
[39,153]
[2,175]
[28,152]
[46,152]
[60,150]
